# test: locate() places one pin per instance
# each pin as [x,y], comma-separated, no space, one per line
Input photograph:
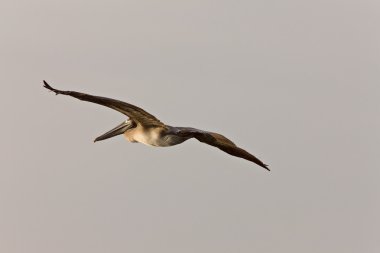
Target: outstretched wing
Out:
[135,113]
[221,142]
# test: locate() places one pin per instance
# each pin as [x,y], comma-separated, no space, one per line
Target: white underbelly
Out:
[149,138]
[153,137]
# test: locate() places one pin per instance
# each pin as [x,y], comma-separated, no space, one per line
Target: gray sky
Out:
[295,82]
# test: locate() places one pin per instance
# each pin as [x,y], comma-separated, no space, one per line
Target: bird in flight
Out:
[145,128]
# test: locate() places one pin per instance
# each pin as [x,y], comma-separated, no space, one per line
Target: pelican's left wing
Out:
[221,142]
[133,112]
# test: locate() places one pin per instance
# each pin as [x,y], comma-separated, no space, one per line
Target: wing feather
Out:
[135,113]
[221,142]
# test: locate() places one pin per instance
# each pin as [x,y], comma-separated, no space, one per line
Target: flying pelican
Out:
[145,128]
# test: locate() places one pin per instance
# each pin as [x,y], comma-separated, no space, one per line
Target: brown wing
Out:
[135,113]
[221,142]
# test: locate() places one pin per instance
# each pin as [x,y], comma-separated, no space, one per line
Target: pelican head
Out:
[120,129]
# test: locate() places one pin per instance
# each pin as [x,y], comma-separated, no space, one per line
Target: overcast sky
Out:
[295,82]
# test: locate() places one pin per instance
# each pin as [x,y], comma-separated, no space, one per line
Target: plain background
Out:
[294,82]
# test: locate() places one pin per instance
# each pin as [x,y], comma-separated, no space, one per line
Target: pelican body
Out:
[152,136]
[143,127]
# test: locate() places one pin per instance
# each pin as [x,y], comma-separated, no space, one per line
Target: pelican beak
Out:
[120,129]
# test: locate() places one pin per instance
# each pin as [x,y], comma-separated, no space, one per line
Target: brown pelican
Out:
[145,128]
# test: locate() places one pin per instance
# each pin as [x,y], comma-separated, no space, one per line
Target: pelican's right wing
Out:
[133,112]
[221,142]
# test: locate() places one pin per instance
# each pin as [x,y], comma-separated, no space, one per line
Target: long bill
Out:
[120,129]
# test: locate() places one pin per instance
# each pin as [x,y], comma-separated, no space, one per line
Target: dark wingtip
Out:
[47,86]
[266,167]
